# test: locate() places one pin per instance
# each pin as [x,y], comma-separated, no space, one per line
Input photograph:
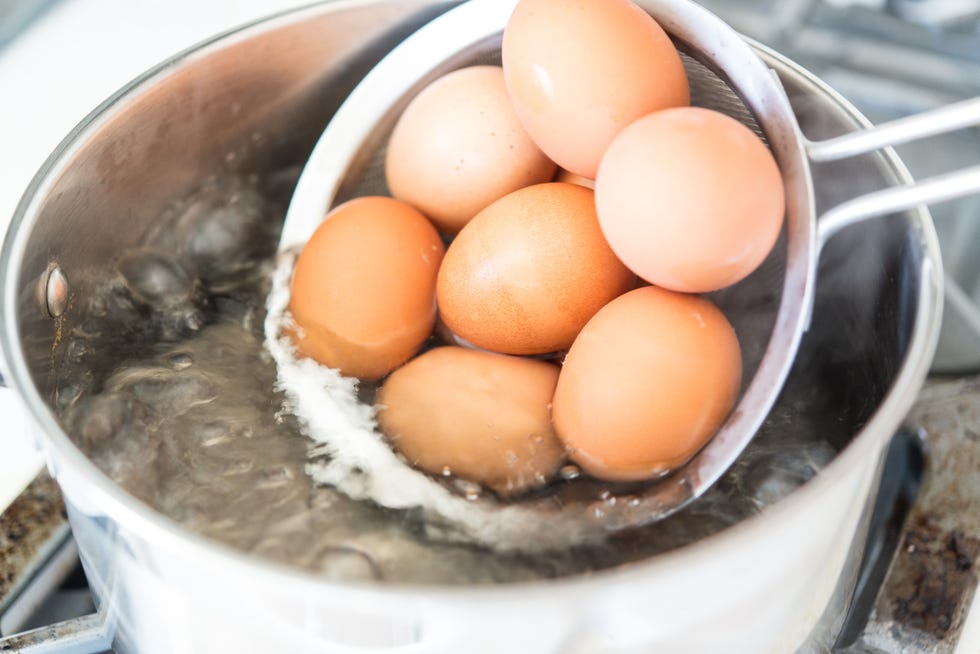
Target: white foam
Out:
[352,455]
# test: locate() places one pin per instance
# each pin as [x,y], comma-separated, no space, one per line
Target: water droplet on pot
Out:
[469,490]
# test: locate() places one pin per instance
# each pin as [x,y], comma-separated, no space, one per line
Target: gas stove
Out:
[916,594]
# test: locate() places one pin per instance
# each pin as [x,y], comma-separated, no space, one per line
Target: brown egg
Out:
[481,416]
[459,146]
[363,291]
[529,271]
[690,199]
[578,73]
[646,384]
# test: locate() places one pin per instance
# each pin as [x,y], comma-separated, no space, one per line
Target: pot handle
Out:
[953,185]
[916,592]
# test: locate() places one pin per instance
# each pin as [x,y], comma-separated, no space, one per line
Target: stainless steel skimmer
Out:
[726,74]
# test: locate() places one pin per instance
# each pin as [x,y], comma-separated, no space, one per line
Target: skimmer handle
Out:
[937,189]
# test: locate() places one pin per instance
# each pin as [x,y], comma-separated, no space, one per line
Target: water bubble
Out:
[103,418]
[165,390]
[570,472]
[634,502]
[223,231]
[155,279]
[192,320]
[181,361]
[239,467]
[216,438]
[67,395]
[470,490]
[77,350]
[213,433]
[447,471]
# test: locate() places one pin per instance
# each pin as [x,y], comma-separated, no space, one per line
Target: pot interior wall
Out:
[249,109]
[251,104]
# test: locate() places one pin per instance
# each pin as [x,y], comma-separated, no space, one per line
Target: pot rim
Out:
[61,452]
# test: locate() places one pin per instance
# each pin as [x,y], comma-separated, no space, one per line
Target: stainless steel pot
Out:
[774,583]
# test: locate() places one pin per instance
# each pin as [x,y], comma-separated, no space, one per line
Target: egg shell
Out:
[459,146]
[580,71]
[646,384]
[363,290]
[690,199]
[529,271]
[484,417]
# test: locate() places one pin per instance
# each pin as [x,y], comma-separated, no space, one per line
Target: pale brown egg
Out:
[646,384]
[529,271]
[459,146]
[690,199]
[480,416]
[578,73]
[363,291]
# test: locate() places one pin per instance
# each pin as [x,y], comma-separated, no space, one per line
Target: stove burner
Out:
[44,597]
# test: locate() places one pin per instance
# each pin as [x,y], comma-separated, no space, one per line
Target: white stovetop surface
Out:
[53,74]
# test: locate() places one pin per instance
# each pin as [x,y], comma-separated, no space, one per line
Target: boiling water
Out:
[168,387]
